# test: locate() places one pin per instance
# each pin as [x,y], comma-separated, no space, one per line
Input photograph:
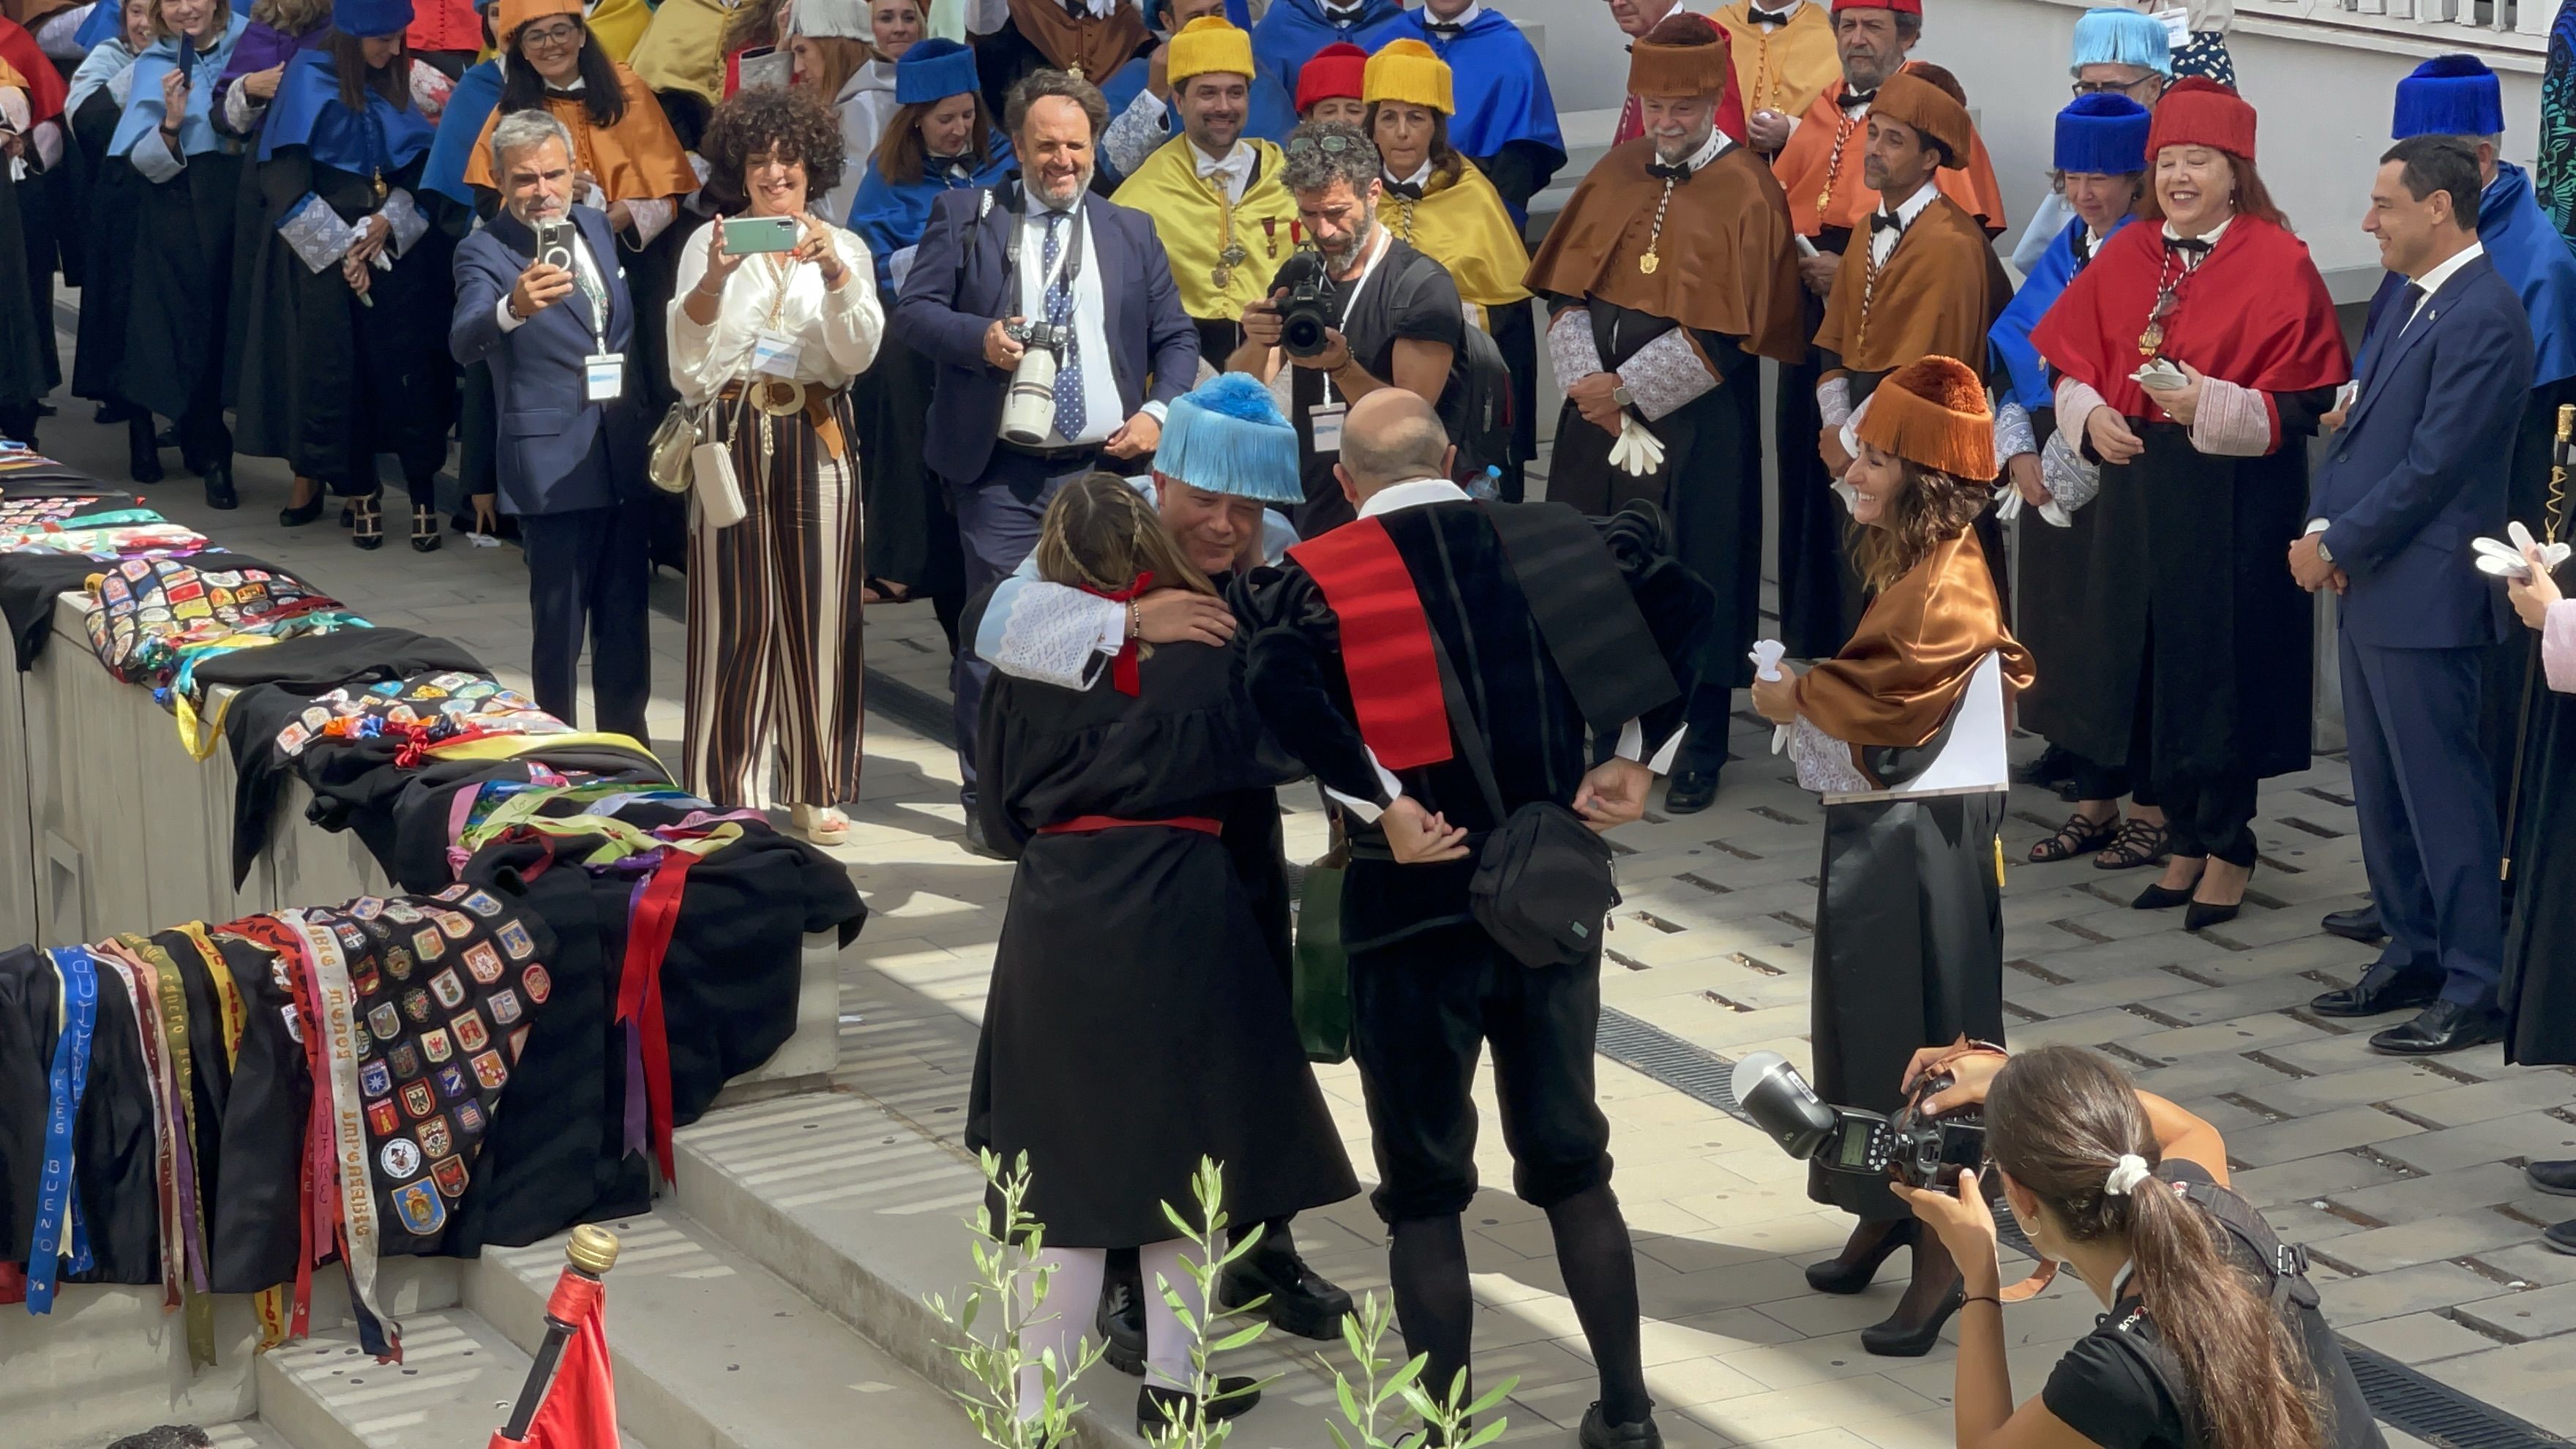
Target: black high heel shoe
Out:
[2202,914]
[296,515]
[2162,897]
[1892,1339]
[1836,1276]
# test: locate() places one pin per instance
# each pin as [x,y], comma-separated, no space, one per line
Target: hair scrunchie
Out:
[2125,1175]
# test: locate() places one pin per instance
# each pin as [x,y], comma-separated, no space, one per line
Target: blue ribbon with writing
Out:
[64,1085]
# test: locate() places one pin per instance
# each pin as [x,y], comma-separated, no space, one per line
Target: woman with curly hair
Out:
[771,341]
[1909,914]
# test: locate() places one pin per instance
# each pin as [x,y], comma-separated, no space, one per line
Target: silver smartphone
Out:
[744,235]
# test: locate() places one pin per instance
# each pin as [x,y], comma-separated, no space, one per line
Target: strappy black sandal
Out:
[2078,836]
[2138,843]
[366,523]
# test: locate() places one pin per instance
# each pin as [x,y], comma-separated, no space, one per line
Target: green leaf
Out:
[1493,1396]
[1338,1441]
[1350,1402]
[1239,1338]
[1487,1434]
[1404,1377]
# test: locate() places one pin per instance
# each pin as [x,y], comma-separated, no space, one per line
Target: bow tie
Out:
[2083,245]
[2187,246]
[1448,29]
[1857,98]
[1676,171]
[1880,221]
[1410,191]
[1771,17]
[1342,15]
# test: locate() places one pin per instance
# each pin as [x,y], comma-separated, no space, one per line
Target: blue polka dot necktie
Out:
[1069,412]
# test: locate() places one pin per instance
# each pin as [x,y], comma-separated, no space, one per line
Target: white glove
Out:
[1766,657]
[1637,452]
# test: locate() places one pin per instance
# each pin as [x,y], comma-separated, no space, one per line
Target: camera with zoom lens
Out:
[1916,1149]
[1039,336]
[1311,309]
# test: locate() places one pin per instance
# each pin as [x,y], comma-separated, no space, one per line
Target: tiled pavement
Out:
[2403,1177]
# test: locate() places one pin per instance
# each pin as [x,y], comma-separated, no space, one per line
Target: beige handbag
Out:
[666,462]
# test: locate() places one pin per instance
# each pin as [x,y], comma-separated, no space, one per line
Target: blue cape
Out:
[308,113]
[102,24]
[889,217]
[1282,43]
[1498,83]
[2009,338]
[143,102]
[2528,253]
[477,92]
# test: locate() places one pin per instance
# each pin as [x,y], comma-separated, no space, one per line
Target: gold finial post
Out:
[589,1252]
[592,1249]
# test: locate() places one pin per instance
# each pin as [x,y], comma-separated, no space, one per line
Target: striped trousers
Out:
[775,678]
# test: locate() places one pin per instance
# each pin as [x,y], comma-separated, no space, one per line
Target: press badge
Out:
[607,375]
[1324,425]
[774,354]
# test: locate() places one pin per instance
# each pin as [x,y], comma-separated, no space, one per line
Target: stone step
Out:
[456,1383]
[865,1214]
[714,1351]
[246,1434]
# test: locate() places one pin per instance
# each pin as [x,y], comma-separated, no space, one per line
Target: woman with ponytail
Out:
[2129,1192]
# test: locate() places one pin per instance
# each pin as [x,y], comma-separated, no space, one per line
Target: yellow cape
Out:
[618,24]
[1189,215]
[1462,225]
[682,49]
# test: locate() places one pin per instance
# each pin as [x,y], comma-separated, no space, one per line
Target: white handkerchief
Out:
[1766,657]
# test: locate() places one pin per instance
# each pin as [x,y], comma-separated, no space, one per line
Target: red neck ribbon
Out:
[639,991]
[1386,642]
[1125,673]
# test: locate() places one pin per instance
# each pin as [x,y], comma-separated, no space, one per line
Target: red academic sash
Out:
[1092,824]
[1386,642]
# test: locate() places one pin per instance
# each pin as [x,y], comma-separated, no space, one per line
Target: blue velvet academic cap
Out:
[1227,436]
[933,70]
[2104,133]
[370,19]
[2449,95]
[2121,37]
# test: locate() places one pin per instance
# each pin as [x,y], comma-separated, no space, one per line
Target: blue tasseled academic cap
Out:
[1227,436]
[2104,133]
[2121,37]
[933,70]
[369,19]
[2449,95]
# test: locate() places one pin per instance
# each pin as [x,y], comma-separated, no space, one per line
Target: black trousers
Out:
[588,572]
[2210,817]
[1423,1009]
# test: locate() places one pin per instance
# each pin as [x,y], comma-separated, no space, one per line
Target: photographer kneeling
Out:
[2208,1343]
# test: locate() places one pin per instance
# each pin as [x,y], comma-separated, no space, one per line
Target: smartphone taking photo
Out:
[745,235]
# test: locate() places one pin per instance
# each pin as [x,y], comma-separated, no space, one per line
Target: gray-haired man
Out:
[572,425]
[1401,324]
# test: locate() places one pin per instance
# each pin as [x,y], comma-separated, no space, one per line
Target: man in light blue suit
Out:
[571,454]
[2416,472]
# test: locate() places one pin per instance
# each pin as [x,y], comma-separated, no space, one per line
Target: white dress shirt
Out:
[2431,282]
[1882,244]
[836,332]
[1102,413]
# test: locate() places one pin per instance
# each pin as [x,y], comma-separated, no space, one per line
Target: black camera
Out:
[1043,336]
[1311,309]
[1917,1150]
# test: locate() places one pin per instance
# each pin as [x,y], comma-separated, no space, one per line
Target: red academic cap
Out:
[1335,70]
[1902,7]
[2196,111]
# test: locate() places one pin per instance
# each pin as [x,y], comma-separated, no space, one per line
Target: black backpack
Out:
[1476,407]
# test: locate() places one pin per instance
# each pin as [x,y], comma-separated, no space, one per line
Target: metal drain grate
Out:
[2401,1397]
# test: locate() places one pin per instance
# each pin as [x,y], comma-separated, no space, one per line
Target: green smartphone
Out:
[744,235]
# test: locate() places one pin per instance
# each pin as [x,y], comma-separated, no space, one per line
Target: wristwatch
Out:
[2324,554]
[1619,394]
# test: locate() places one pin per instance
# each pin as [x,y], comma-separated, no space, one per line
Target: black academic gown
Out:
[114,196]
[2195,627]
[24,336]
[1820,595]
[176,330]
[1711,484]
[328,382]
[2053,597]
[1143,937]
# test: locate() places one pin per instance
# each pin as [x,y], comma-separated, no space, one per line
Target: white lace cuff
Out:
[1058,635]
[1833,401]
[1137,130]
[2013,436]
[242,110]
[648,216]
[2071,482]
[315,232]
[2232,421]
[1663,376]
[403,214]
[1824,763]
[2075,404]
[1571,346]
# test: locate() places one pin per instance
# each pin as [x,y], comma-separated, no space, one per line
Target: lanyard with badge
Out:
[603,371]
[1324,419]
[774,351]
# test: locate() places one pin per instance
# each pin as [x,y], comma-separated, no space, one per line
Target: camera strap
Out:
[1068,262]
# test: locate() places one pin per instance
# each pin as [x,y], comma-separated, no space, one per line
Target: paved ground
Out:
[2403,1177]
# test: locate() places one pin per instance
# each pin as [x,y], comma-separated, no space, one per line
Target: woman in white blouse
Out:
[772,340]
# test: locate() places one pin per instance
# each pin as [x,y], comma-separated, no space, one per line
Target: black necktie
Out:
[2414,298]
[1880,221]
[1769,17]
[1675,171]
[1857,98]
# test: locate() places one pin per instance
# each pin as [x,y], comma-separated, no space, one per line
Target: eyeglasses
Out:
[2120,88]
[551,35]
[1329,145]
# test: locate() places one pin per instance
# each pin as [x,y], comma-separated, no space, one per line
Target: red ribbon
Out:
[1087,824]
[1386,642]
[1125,673]
[639,992]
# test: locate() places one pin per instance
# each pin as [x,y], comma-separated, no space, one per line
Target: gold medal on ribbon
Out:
[1222,275]
[2151,339]
[1648,263]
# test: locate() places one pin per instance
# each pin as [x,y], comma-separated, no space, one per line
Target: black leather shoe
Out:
[1121,1326]
[219,487]
[1152,1418]
[1891,1339]
[2555,1178]
[2560,1237]
[2361,923]
[1300,1300]
[1836,1276]
[2381,989]
[2053,766]
[142,458]
[2445,1026]
[976,844]
[111,412]
[1598,1434]
[1690,791]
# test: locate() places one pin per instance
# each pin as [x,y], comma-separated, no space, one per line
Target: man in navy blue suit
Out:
[571,454]
[1041,249]
[2416,472]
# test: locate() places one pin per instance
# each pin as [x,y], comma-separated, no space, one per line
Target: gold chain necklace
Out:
[1834,162]
[1230,253]
[1655,238]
